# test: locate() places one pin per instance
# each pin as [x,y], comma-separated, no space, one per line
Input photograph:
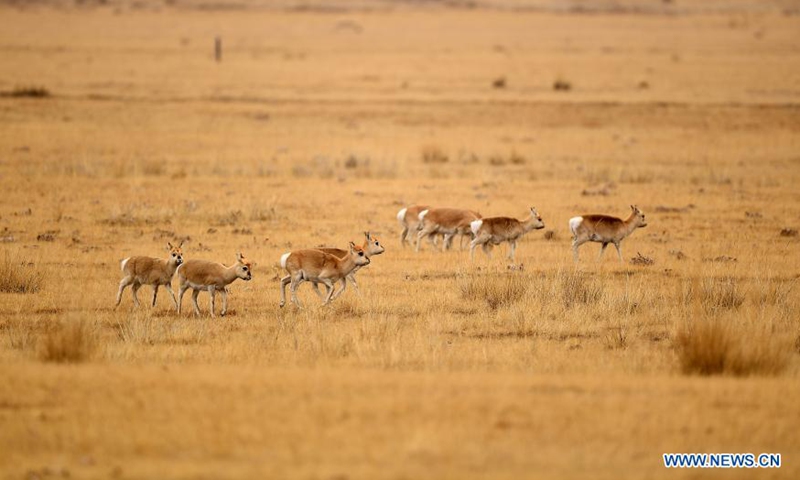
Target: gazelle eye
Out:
[245,269]
[360,254]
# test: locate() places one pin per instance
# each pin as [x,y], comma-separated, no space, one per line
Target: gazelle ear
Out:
[239,257]
[181,244]
[169,246]
[366,234]
[352,246]
[633,207]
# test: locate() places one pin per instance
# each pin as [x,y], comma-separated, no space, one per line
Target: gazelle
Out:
[446,221]
[496,230]
[372,246]
[317,266]
[604,229]
[212,277]
[138,271]
[409,220]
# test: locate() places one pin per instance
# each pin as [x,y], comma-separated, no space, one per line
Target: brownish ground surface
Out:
[313,128]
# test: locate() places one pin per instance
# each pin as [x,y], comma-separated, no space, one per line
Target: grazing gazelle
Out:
[409,220]
[372,246]
[604,229]
[138,271]
[496,230]
[446,221]
[212,277]
[317,266]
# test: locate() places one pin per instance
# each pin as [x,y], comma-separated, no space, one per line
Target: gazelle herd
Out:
[329,266]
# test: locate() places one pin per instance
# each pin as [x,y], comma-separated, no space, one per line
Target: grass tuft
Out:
[494,291]
[715,347]
[72,341]
[17,277]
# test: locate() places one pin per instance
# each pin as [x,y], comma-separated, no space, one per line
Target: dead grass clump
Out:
[721,293]
[562,85]
[716,347]
[788,232]
[19,333]
[29,92]
[577,288]
[71,341]
[494,291]
[264,214]
[18,277]
[641,260]
[431,154]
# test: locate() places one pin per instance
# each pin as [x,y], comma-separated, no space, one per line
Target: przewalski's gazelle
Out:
[138,271]
[409,220]
[319,267]
[372,246]
[446,221]
[496,230]
[604,229]
[212,277]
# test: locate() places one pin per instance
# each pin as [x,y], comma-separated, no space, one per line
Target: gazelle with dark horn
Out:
[446,221]
[317,266]
[409,220]
[604,229]
[496,230]
[138,271]
[202,275]
[372,246]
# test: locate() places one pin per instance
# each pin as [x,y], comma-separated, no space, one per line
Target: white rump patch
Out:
[475,225]
[401,215]
[574,223]
[284,257]
[123,263]
[422,214]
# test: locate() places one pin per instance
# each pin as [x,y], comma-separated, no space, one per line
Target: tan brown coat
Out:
[138,271]
[316,266]
[409,220]
[496,230]
[446,221]
[202,275]
[604,229]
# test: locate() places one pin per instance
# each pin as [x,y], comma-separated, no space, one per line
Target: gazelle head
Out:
[175,253]
[244,269]
[536,219]
[374,246]
[358,255]
[638,217]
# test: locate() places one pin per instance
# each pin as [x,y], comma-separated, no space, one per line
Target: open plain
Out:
[119,132]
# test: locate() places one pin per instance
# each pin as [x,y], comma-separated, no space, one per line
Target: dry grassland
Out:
[119,132]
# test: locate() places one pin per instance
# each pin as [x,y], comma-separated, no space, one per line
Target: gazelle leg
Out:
[352,278]
[155,293]
[284,281]
[171,294]
[315,286]
[602,251]
[195,292]
[181,290]
[329,285]
[296,281]
[134,289]
[341,290]
[619,252]
[224,295]
[403,235]
[212,290]
[122,285]
[512,250]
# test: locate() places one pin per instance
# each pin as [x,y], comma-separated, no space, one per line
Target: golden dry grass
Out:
[317,126]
